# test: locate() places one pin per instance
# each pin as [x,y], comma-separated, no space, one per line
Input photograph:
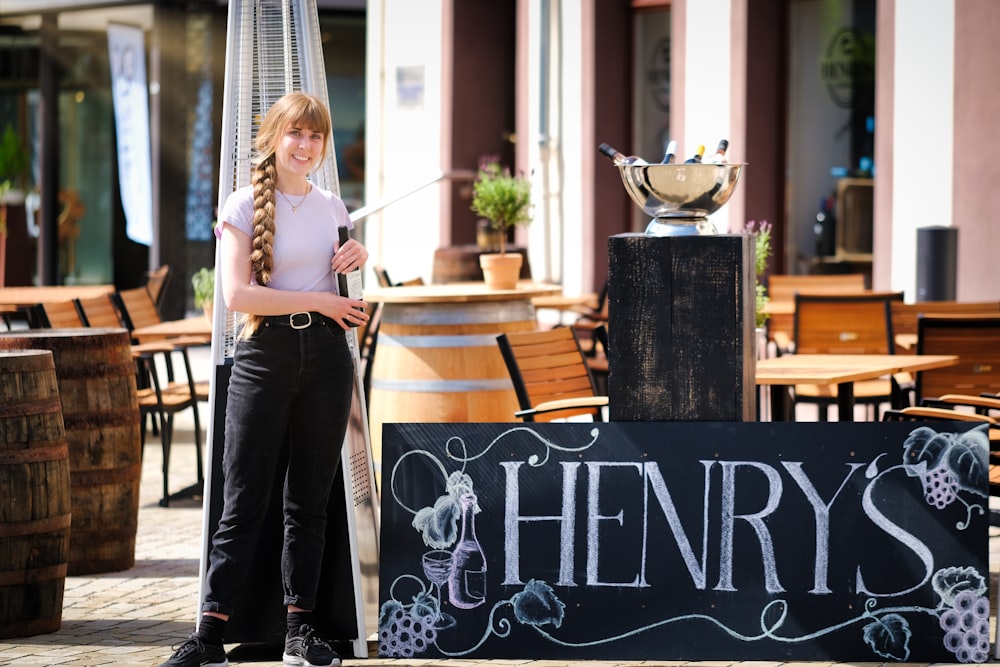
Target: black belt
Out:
[300,320]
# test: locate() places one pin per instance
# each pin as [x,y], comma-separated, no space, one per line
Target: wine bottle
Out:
[696,158]
[620,159]
[719,157]
[348,284]
[467,580]
[671,155]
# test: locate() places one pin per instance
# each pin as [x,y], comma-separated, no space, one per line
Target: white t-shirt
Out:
[304,241]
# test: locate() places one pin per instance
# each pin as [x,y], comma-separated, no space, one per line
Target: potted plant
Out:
[13,167]
[203,282]
[504,200]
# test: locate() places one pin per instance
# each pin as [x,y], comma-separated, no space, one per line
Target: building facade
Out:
[861,121]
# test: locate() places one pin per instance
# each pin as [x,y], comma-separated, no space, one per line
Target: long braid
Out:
[262,254]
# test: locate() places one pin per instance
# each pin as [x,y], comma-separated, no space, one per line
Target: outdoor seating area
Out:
[165,380]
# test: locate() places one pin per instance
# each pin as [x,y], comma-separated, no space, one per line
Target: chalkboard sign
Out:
[685,541]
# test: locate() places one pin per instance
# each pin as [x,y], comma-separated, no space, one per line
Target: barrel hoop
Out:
[85,421]
[441,386]
[37,406]
[36,527]
[39,452]
[33,575]
[464,313]
[102,477]
[489,340]
[20,361]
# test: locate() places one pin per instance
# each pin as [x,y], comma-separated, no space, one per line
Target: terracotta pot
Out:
[501,271]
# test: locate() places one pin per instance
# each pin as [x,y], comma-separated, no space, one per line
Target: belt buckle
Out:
[308,323]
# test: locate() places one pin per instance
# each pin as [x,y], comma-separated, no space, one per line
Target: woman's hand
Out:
[346,312]
[352,255]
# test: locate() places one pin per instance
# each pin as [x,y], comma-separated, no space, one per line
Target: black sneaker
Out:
[196,653]
[308,650]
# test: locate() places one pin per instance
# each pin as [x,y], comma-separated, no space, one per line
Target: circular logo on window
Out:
[848,66]
[658,74]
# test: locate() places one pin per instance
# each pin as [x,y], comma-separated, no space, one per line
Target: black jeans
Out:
[288,386]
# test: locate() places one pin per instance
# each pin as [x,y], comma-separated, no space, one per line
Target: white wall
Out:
[708,104]
[408,107]
[923,124]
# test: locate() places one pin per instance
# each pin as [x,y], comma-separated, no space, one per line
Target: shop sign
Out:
[685,541]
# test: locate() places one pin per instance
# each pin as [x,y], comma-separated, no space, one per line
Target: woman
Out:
[292,375]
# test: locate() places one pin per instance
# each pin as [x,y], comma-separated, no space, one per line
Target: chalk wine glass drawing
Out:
[437,565]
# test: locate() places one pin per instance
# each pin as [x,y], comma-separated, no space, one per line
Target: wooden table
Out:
[436,357]
[197,326]
[23,299]
[842,370]
[28,296]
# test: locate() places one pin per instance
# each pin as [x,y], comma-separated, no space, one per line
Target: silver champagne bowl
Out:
[680,196]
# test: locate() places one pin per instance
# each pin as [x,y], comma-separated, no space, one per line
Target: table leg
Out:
[781,406]
[845,401]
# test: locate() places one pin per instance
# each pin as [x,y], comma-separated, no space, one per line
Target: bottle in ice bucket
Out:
[696,158]
[671,155]
[620,159]
[719,157]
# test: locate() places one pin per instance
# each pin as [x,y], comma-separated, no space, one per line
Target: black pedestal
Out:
[681,328]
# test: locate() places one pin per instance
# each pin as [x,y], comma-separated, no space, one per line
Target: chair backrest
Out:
[100,311]
[782,288]
[137,307]
[60,315]
[976,341]
[905,315]
[382,275]
[547,366]
[156,283]
[844,323]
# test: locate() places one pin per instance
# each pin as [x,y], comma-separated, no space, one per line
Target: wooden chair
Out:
[589,319]
[781,290]
[905,316]
[60,315]
[550,376]
[846,324]
[385,281]
[368,334]
[156,283]
[976,341]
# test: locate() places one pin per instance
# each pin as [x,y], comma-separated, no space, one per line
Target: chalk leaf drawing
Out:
[537,605]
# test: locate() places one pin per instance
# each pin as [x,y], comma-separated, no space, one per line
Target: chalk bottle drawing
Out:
[467,581]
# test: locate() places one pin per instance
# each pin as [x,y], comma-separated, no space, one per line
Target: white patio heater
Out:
[273,47]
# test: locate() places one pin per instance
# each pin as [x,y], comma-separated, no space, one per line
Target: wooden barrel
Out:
[96,375]
[439,362]
[34,496]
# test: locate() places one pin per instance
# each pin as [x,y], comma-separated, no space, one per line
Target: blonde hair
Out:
[298,109]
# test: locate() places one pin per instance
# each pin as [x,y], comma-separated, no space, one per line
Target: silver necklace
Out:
[295,207]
